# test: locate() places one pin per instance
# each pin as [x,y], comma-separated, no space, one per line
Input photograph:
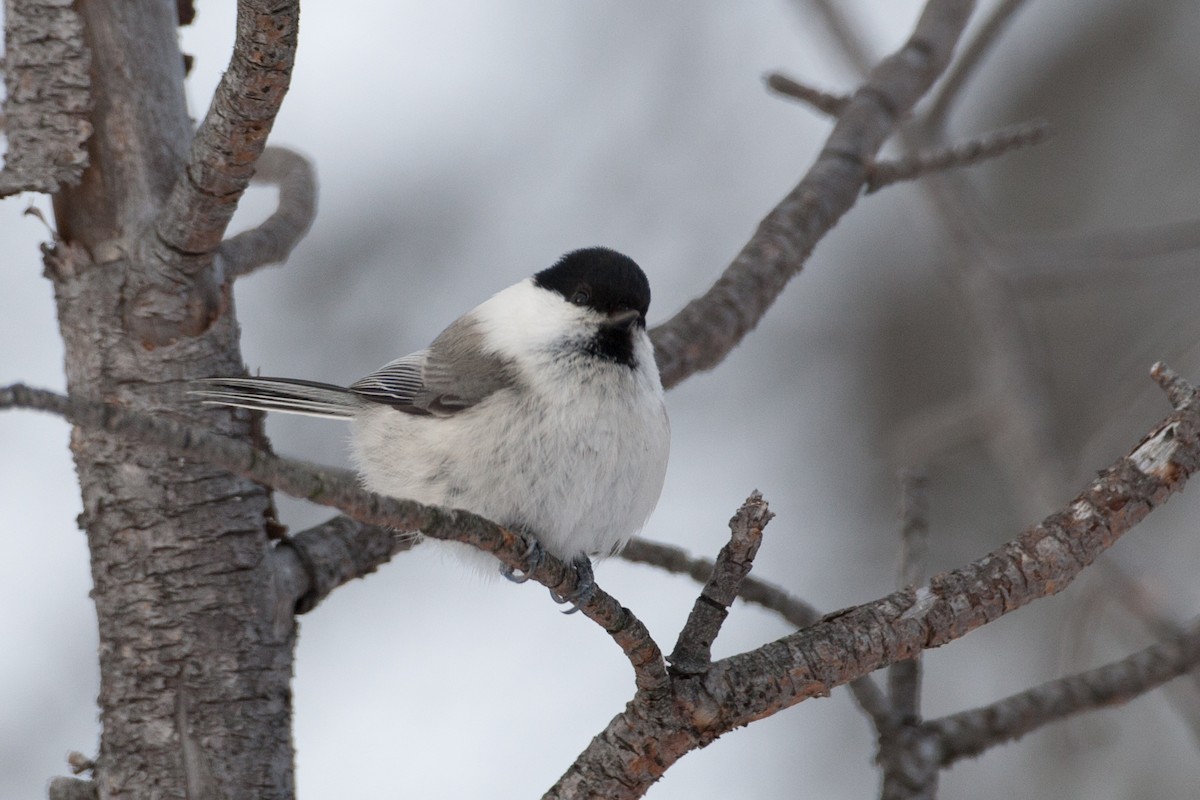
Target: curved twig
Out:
[273,240]
[234,132]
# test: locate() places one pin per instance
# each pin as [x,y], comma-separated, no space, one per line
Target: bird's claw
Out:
[534,556]
[585,586]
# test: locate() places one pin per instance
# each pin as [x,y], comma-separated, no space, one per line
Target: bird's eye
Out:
[581,297]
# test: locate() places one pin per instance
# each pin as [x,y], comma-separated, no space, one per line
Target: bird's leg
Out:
[534,556]
[585,585]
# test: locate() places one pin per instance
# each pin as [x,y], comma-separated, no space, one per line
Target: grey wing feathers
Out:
[397,383]
[280,394]
[453,374]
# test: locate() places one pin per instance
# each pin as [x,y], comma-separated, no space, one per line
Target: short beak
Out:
[623,320]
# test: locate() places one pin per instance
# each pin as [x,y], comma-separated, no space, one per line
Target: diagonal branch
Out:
[703,333]
[234,132]
[969,733]
[273,241]
[637,747]
[977,48]
[339,490]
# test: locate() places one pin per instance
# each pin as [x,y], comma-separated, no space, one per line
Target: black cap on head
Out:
[600,279]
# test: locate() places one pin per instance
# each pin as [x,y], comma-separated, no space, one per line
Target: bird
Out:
[540,409]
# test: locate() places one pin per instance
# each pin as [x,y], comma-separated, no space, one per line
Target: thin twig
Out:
[904,677]
[829,104]
[964,66]
[964,154]
[234,132]
[333,488]
[800,614]
[909,773]
[969,733]
[693,650]
[273,240]
[1181,393]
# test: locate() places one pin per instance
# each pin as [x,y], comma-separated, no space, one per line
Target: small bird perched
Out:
[540,409]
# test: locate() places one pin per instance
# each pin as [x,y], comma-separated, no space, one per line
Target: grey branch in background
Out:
[702,334]
[273,240]
[970,733]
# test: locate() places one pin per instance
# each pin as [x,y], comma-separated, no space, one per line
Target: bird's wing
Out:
[451,375]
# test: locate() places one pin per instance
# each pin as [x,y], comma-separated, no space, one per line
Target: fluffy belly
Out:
[582,480]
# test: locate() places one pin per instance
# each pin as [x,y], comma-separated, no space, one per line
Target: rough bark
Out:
[195,668]
[46,111]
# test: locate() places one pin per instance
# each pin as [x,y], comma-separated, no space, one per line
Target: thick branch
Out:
[316,561]
[341,491]
[636,747]
[273,241]
[703,333]
[234,132]
[969,733]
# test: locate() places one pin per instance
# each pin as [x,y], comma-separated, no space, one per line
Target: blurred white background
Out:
[462,145]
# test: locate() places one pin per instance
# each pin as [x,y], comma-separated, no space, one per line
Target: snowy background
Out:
[463,145]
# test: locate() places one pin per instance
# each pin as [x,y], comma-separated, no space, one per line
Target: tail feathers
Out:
[279,394]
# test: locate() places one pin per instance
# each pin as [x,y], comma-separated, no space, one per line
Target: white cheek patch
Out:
[525,319]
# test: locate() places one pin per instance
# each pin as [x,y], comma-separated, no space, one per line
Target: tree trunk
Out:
[195,659]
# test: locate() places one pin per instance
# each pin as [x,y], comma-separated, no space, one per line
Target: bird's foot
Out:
[534,556]
[585,585]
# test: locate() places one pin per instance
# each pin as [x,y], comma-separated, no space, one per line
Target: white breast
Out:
[577,459]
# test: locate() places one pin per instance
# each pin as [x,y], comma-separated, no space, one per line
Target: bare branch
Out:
[693,650]
[829,104]
[273,240]
[1181,393]
[234,132]
[973,54]
[676,560]
[318,560]
[637,747]
[703,333]
[336,489]
[49,96]
[965,154]
[904,677]
[909,771]
[969,733]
